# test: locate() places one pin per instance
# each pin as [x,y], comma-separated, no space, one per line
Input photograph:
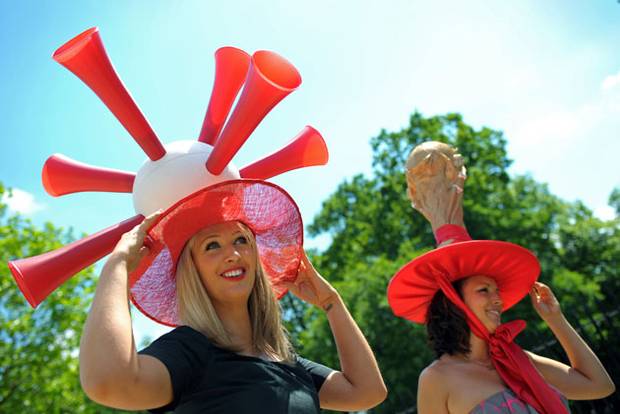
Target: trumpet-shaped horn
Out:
[85,56]
[270,78]
[231,68]
[62,175]
[305,150]
[38,276]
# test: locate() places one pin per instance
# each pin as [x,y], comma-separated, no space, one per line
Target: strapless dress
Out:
[506,402]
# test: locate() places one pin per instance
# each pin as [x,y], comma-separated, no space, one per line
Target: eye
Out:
[241,240]
[212,245]
[484,289]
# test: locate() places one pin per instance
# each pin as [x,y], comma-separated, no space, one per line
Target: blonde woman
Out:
[213,265]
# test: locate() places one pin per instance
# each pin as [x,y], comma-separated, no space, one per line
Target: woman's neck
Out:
[479,348]
[236,321]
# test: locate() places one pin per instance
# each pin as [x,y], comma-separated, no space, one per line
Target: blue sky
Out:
[545,73]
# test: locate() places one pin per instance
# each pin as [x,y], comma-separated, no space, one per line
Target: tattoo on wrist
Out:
[328,307]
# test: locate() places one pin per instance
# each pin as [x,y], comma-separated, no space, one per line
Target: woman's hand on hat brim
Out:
[544,301]
[311,287]
[130,247]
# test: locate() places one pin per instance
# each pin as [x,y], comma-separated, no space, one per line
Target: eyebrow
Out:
[215,235]
[210,235]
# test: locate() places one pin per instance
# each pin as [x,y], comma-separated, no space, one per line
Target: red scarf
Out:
[511,363]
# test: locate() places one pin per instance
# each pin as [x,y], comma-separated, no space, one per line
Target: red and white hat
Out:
[266,209]
[193,181]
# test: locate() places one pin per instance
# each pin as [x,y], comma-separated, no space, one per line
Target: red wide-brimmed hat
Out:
[514,268]
[266,209]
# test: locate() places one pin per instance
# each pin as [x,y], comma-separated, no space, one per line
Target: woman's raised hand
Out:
[544,301]
[131,246]
[311,287]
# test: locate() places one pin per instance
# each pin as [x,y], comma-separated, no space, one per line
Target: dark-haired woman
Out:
[463,376]
[460,290]
[478,368]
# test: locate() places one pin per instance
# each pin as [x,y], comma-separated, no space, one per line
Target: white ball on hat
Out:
[181,172]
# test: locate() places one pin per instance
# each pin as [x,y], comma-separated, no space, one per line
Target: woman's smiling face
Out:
[225,256]
[481,295]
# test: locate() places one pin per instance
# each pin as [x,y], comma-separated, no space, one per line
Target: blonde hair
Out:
[196,310]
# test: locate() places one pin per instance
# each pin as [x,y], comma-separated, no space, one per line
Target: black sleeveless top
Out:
[208,379]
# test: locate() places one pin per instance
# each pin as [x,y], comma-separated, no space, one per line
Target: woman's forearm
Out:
[357,361]
[580,355]
[107,350]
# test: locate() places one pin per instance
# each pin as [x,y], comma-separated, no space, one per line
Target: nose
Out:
[232,254]
[497,299]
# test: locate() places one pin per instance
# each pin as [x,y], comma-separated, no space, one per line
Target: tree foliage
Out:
[374,231]
[38,349]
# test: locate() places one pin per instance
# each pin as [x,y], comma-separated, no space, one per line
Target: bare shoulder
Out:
[434,367]
[435,375]
[432,390]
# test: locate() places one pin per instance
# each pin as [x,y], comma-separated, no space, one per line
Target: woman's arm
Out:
[586,378]
[111,371]
[358,385]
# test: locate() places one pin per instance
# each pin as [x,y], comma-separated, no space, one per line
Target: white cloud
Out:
[605,213]
[559,130]
[21,202]
[563,128]
[611,82]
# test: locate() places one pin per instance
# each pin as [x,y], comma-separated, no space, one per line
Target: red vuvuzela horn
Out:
[38,276]
[305,150]
[270,78]
[85,56]
[61,175]
[231,68]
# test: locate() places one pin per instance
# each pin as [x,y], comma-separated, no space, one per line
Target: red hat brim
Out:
[514,268]
[266,209]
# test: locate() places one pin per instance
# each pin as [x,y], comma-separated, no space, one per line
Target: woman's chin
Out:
[491,325]
[234,296]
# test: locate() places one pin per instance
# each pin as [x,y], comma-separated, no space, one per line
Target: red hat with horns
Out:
[182,176]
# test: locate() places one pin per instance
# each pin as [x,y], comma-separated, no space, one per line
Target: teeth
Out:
[233,273]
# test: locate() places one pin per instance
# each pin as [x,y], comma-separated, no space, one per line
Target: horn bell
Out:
[38,276]
[307,149]
[231,68]
[270,78]
[85,56]
[62,175]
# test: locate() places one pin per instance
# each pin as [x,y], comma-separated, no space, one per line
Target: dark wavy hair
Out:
[446,325]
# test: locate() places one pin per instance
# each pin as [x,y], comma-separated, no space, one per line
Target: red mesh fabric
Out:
[268,211]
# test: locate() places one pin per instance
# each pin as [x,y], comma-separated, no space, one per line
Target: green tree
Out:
[38,349]
[374,231]
[614,200]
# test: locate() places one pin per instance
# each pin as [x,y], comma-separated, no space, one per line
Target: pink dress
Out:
[505,402]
